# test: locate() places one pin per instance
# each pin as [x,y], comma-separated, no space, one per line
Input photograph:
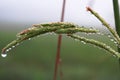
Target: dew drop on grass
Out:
[13,46]
[114,55]
[10,48]
[112,39]
[89,33]
[7,50]
[115,42]
[29,39]
[109,35]
[76,39]
[83,42]
[100,33]
[3,55]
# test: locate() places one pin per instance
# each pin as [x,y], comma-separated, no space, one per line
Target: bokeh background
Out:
[34,59]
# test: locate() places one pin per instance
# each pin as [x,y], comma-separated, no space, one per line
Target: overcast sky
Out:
[39,11]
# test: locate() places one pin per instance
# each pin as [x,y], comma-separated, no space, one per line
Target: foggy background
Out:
[28,12]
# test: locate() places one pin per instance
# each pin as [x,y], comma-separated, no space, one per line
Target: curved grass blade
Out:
[35,30]
[96,43]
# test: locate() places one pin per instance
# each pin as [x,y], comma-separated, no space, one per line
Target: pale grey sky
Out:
[37,11]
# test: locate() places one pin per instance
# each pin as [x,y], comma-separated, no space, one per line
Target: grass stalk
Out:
[114,33]
[96,43]
[116,16]
[117,21]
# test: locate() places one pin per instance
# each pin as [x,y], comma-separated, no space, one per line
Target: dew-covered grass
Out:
[34,59]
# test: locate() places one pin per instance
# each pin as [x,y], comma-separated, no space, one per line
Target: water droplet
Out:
[100,33]
[109,35]
[107,46]
[10,48]
[29,39]
[112,39]
[83,42]
[115,42]
[114,56]
[3,55]
[7,50]
[13,46]
[90,29]
[76,39]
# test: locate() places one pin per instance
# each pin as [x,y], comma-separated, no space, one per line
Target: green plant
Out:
[65,28]
[58,28]
[69,30]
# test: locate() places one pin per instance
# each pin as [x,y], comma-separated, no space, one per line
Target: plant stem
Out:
[114,33]
[116,16]
[117,21]
[96,43]
[58,62]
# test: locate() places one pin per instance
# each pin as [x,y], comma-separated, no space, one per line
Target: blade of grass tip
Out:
[117,20]
[114,33]
[58,59]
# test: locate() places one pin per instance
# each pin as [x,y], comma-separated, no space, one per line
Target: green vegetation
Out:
[80,62]
[34,60]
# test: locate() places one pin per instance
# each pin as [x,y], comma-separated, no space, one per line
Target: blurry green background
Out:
[34,59]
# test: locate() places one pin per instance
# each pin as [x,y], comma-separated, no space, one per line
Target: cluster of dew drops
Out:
[102,34]
[4,54]
[109,36]
[7,50]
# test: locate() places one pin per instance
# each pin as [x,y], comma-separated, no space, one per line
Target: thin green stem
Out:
[75,30]
[96,43]
[114,33]
[117,21]
[116,15]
